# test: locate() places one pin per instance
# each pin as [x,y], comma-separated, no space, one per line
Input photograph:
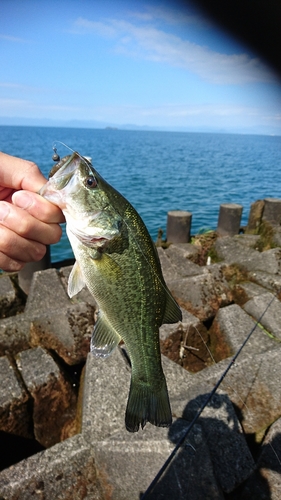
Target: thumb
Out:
[17,173]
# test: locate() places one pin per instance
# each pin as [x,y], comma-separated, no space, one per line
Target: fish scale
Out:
[118,262]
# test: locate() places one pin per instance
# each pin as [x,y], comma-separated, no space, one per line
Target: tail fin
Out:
[147,404]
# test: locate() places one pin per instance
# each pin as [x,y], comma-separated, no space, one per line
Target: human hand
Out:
[28,222]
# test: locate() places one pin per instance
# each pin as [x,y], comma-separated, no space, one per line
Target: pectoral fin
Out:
[104,338]
[172,311]
[76,281]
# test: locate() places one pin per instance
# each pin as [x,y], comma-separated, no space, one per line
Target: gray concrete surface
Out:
[98,459]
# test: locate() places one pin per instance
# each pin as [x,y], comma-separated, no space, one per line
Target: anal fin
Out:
[104,338]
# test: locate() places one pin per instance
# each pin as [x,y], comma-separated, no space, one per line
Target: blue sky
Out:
[152,63]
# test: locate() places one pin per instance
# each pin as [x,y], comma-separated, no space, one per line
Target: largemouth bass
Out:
[118,262]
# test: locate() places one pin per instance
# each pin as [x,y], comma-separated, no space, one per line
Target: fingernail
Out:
[22,199]
[4,211]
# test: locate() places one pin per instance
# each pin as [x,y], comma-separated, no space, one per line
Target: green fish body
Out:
[118,262]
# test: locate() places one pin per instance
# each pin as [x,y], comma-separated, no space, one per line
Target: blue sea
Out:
[162,171]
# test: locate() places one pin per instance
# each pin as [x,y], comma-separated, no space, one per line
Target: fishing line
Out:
[196,417]
[63,144]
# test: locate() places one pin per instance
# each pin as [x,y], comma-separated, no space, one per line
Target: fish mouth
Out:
[67,165]
[97,242]
[63,180]
[90,240]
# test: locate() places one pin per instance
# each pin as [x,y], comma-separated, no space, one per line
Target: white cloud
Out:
[82,26]
[28,105]
[178,115]
[192,116]
[10,38]
[26,90]
[146,41]
[8,104]
[8,85]
[154,14]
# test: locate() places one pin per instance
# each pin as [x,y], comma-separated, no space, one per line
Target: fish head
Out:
[78,190]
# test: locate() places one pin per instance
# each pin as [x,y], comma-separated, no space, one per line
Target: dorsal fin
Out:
[172,311]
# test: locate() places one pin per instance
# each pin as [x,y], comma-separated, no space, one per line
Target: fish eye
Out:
[91,182]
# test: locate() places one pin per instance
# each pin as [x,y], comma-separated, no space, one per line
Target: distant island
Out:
[94,124]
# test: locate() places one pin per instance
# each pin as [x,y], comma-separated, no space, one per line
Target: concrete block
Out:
[9,302]
[248,240]
[271,319]
[269,463]
[105,393]
[255,216]
[186,250]
[230,455]
[67,332]
[229,219]
[7,294]
[54,398]
[126,463]
[14,334]
[270,261]
[255,391]
[186,342]
[178,226]
[252,289]
[272,211]
[15,448]
[267,280]
[25,275]
[277,236]
[46,293]
[120,461]
[232,251]
[169,271]
[181,263]
[167,330]
[250,384]
[201,295]
[229,330]
[14,402]
[119,453]
[65,471]
[265,482]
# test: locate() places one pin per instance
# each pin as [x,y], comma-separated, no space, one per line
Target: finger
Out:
[5,193]
[10,265]
[17,173]
[23,224]
[37,206]
[18,249]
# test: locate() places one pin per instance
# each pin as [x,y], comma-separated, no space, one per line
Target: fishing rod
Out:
[208,399]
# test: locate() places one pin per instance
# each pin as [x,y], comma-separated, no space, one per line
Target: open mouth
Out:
[97,240]
[88,239]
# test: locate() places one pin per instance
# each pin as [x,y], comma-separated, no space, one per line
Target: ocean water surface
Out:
[162,171]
